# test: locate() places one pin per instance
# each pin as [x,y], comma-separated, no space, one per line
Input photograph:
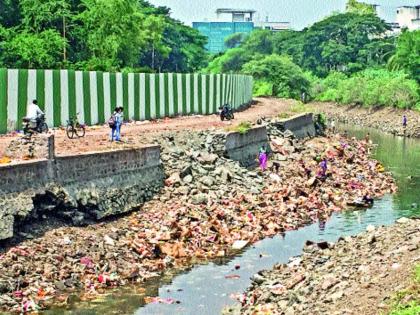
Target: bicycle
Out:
[74,128]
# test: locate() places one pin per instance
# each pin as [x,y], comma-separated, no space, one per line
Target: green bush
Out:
[263,88]
[287,79]
[372,87]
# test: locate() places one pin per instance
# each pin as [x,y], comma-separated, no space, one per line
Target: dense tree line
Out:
[354,49]
[106,35]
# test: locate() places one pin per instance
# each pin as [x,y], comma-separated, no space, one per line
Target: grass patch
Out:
[242,128]
[300,107]
[407,302]
[284,115]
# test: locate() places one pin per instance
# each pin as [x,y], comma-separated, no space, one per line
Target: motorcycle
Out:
[226,113]
[38,126]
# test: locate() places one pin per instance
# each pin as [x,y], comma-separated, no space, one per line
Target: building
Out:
[273,26]
[409,17]
[231,21]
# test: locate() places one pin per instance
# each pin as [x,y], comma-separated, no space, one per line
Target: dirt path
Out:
[136,133]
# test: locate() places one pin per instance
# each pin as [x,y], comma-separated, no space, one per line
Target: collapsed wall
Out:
[80,187]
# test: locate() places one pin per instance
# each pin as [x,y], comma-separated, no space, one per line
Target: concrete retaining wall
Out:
[301,126]
[79,187]
[244,147]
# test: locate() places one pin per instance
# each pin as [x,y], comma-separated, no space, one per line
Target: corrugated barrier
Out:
[94,95]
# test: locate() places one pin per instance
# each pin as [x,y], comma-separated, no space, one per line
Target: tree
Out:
[407,56]
[354,6]
[9,13]
[107,35]
[259,41]
[335,42]
[231,61]
[114,32]
[28,50]
[176,47]
[234,40]
[287,79]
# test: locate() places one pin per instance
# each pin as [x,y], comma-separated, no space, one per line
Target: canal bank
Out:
[191,287]
[210,209]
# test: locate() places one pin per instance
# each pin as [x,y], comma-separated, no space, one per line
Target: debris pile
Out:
[28,147]
[351,276]
[210,207]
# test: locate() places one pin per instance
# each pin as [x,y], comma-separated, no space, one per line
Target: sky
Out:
[300,13]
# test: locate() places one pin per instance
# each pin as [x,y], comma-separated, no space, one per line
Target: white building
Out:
[409,17]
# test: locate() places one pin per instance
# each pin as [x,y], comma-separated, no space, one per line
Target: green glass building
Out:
[217,32]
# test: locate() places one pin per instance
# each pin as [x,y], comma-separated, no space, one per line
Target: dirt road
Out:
[136,133]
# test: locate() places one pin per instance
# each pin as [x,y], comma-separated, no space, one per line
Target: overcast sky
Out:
[300,13]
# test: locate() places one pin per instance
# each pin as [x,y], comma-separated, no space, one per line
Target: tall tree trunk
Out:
[64,36]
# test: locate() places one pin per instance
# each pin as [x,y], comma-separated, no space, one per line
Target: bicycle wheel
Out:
[70,131]
[80,131]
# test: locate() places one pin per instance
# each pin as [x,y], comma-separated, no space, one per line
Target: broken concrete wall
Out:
[244,147]
[79,187]
[301,126]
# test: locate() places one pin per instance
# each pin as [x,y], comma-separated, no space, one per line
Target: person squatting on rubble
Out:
[323,165]
[262,158]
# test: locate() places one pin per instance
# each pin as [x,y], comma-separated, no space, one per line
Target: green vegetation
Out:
[346,58]
[300,108]
[407,302]
[369,88]
[106,35]
[278,72]
[242,128]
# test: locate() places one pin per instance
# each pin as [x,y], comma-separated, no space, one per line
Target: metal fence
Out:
[94,95]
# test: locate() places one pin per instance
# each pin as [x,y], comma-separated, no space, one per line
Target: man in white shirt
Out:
[33,112]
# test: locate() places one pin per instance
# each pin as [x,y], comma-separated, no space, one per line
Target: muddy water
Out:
[204,289]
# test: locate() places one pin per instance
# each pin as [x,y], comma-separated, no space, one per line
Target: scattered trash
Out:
[212,207]
[159,300]
[238,245]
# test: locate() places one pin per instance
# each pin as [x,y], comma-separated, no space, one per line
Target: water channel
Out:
[204,289]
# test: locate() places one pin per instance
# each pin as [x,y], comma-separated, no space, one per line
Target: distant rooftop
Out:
[221,11]
[410,6]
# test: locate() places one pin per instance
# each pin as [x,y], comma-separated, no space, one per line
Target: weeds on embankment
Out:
[407,302]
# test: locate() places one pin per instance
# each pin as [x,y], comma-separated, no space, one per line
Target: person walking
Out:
[404,121]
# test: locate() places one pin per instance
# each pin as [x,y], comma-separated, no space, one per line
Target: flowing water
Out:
[204,289]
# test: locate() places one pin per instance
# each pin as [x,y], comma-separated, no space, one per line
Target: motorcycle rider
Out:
[34,113]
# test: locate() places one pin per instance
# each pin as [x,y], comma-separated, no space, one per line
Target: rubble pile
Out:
[347,277]
[27,148]
[210,207]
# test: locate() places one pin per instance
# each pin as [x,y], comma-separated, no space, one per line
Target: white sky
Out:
[300,13]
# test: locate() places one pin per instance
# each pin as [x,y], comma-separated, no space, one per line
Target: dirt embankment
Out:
[209,207]
[139,133]
[389,120]
[356,275]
